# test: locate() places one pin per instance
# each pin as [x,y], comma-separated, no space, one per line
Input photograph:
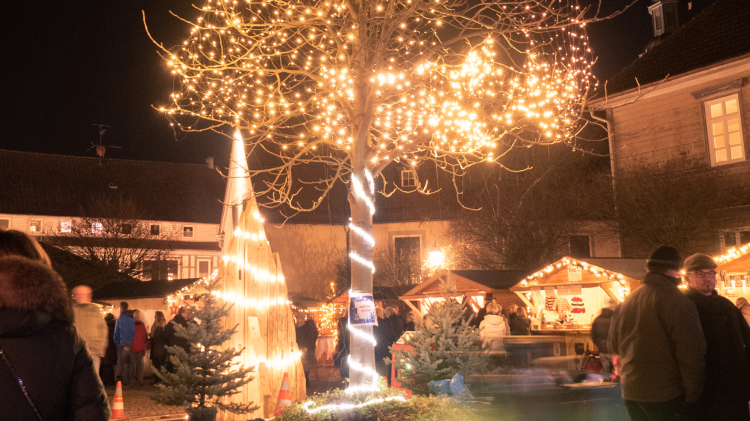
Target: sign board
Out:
[362,310]
[575,273]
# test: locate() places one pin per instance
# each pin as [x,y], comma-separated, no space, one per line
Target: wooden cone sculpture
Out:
[118,406]
[284,400]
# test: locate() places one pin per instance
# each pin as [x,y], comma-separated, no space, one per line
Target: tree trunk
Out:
[362,350]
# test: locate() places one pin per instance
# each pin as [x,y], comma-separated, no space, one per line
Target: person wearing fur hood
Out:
[46,371]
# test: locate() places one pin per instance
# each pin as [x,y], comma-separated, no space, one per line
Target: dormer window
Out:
[154,230]
[408,178]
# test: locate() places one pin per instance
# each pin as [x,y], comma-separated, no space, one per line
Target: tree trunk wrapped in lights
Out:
[345,88]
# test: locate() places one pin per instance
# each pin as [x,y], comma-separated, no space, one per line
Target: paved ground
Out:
[138,405]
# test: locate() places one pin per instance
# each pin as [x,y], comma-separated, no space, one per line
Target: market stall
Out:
[471,285]
[564,298]
[733,280]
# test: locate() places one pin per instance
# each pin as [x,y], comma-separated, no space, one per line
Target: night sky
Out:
[70,65]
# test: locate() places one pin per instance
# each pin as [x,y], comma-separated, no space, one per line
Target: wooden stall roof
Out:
[379,293]
[305,302]
[596,271]
[468,282]
[735,260]
[147,289]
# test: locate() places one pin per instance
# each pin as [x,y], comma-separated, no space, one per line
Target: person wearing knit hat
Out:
[726,390]
[657,334]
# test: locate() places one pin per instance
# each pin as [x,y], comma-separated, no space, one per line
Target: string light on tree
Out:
[354,87]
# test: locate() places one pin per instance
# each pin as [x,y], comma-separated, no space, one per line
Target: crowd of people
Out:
[57,354]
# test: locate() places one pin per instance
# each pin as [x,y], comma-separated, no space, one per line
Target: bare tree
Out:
[309,257]
[527,218]
[340,90]
[114,230]
[670,202]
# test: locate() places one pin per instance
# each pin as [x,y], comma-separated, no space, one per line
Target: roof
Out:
[134,243]
[495,279]
[147,289]
[56,185]
[716,35]
[76,270]
[633,268]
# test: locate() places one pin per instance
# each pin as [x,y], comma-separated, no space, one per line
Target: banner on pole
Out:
[362,310]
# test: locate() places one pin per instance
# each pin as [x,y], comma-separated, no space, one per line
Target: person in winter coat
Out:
[744,307]
[171,335]
[726,390]
[140,339]
[109,362]
[46,371]
[395,322]
[90,324]
[493,329]
[158,342]
[521,324]
[382,336]
[489,298]
[123,336]
[657,334]
[306,338]
[410,325]
[600,334]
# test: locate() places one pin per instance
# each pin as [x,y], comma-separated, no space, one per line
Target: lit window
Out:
[187,232]
[35,225]
[408,178]
[66,226]
[724,125]
[154,230]
[96,227]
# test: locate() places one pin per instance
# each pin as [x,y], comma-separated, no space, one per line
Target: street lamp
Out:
[436,255]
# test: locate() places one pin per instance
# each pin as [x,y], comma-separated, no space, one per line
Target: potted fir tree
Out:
[205,374]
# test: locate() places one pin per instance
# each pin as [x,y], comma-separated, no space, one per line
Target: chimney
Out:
[210,162]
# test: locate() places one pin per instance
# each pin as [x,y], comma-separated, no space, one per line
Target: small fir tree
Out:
[443,346]
[207,373]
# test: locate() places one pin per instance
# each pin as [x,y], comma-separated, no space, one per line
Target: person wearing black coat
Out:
[158,342]
[170,334]
[46,353]
[396,325]
[107,370]
[726,389]
[476,321]
[382,335]
[600,335]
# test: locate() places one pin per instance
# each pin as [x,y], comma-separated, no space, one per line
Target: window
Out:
[744,237]
[160,270]
[408,178]
[4,224]
[187,232]
[96,227]
[580,246]
[126,229]
[35,225]
[66,226]
[154,230]
[725,139]
[408,259]
[204,268]
[730,239]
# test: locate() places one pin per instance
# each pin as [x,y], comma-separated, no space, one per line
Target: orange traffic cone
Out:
[118,407]
[284,401]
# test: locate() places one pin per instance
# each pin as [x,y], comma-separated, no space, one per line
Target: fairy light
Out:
[594,270]
[346,406]
[369,238]
[362,260]
[367,337]
[374,378]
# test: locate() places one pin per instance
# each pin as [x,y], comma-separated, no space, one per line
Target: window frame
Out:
[418,266]
[6,220]
[404,178]
[198,262]
[708,122]
[590,246]
[192,231]
[31,224]
[151,230]
[69,228]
